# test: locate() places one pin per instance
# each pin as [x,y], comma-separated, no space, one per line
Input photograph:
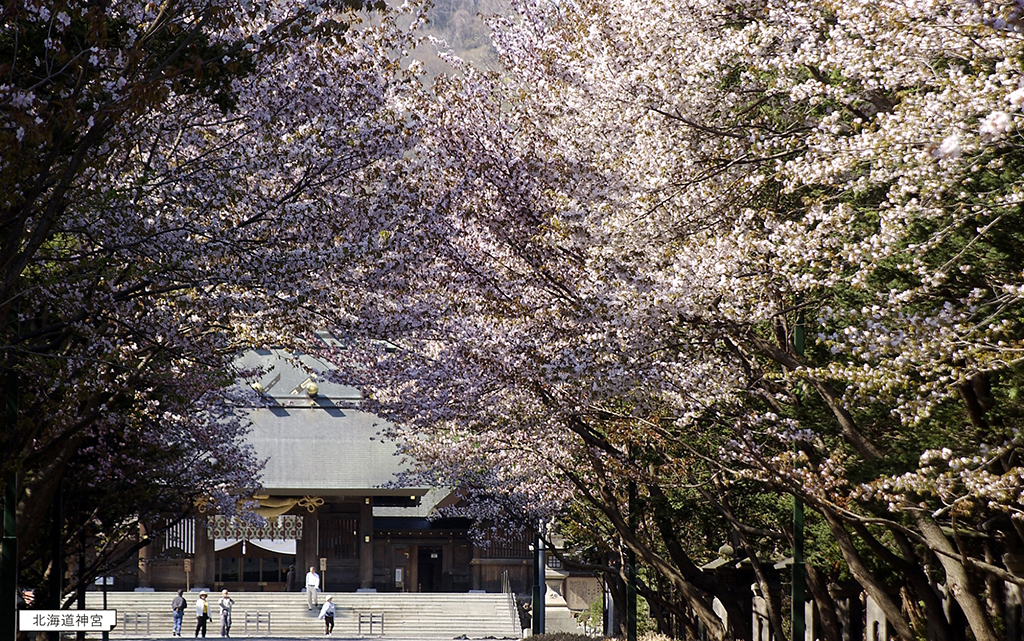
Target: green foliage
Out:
[593,617]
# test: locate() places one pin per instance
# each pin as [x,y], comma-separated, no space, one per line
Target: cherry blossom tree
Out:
[693,246]
[181,180]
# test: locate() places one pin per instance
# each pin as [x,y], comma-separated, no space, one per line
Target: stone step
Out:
[426,615]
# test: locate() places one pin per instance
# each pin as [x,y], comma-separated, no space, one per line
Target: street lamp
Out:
[798,526]
[539,582]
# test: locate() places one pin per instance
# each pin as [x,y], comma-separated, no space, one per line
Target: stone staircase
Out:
[405,615]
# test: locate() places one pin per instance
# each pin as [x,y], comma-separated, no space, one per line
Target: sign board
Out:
[188,565]
[581,591]
[323,564]
[67,620]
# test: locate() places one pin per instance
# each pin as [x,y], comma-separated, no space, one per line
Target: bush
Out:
[565,636]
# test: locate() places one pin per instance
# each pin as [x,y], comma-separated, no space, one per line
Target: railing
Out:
[370,620]
[510,597]
[257,618]
[135,618]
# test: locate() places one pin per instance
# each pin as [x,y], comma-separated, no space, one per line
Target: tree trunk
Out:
[698,601]
[994,591]
[607,503]
[957,579]
[816,582]
[925,609]
[739,621]
[937,627]
[771,601]
[34,508]
[893,613]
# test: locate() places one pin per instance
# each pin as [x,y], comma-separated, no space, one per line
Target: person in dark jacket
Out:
[178,608]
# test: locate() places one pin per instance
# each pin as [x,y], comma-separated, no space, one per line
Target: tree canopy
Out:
[731,253]
[177,177]
[673,267]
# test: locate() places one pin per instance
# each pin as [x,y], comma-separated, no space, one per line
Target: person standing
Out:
[327,614]
[312,585]
[178,609]
[225,604]
[202,614]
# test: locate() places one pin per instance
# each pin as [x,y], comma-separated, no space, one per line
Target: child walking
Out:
[327,614]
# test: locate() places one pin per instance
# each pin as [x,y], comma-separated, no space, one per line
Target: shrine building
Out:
[329,502]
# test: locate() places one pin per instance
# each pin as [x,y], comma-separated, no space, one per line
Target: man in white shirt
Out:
[312,585]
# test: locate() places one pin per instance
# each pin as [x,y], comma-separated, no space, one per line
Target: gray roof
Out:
[282,374]
[320,451]
[321,445]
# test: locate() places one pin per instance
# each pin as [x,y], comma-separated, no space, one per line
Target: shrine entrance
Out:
[246,567]
[339,545]
[251,558]
[429,569]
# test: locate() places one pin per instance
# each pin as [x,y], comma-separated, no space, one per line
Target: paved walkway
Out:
[121,637]
[115,636]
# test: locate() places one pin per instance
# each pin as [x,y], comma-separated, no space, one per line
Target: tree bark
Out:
[936,626]
[933,617]
[994,591]
[695,597]
[827,608]
[774,617]
[893,613]
[688,584]
[957,579]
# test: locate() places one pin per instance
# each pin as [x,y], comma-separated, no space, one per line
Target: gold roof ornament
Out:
[311,503]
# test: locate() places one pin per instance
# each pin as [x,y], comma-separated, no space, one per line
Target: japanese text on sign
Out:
[66,620]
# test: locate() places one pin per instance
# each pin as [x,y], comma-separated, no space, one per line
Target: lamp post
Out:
[9,543]
[631,568]
[539,583]
[106,633]
[56,553]
[9,563]
[798,626]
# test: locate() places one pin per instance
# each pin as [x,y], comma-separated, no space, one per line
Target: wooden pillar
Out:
[414,568]
[475,580]
[301,567]
[204,562]
[144,554]
[366,544]
[309,557]
[404,563]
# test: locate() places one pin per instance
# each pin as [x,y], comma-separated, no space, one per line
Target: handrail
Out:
[506,587]
[136,618]
[371,619]
[257,618]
